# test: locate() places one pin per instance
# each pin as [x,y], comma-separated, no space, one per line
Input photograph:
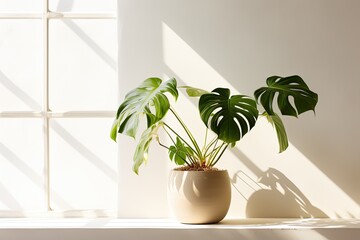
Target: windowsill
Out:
[76,228]
[254,223]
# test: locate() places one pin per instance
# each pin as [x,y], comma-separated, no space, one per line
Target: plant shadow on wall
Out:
[276,197]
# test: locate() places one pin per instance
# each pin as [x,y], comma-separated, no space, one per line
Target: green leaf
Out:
[178,152]
[276,122]
[148,99]
[286,87]
[229,117]
[114,129]
[177,156]
[142,148]
[194,92]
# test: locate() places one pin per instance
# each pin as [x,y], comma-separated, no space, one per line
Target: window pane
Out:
[83,65]
[21,165]
[21,5]
[21,75]
[83,164]
[82,5]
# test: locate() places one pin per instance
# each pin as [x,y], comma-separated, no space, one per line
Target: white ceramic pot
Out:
[199,197]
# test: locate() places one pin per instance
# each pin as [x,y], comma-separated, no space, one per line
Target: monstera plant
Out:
[230,117]
[197,191]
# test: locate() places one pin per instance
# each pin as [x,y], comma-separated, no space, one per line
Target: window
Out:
[58,91]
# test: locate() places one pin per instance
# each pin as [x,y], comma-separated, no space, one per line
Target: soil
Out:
[196,168]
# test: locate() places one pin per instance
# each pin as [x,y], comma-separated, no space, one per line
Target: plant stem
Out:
[199,153]
[214,152]
[179,136]
[192,160]
[169,135]
[206,133]
[222,152]
[164,146]
[209,145]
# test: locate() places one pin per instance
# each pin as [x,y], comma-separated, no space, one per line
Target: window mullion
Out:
[46,104]
[20,16]
[82,114]
[65,15]
[21,114]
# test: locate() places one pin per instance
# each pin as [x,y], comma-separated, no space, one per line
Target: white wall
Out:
[238,44]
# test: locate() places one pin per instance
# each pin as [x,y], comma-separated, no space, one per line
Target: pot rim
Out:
[211,171]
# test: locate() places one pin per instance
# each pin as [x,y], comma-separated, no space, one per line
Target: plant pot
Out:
[199,197]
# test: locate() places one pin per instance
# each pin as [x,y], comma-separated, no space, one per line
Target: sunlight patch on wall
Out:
[188,65]
[189,68]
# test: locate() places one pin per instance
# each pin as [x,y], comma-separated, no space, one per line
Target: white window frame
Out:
[46,114]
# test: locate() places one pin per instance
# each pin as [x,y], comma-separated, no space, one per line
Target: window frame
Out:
[46,114]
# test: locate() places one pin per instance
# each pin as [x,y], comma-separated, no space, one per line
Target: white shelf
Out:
[105,228]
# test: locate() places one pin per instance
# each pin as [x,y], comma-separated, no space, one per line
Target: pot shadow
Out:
[279,198]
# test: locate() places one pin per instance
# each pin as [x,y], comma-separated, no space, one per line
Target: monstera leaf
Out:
[194,92]
[276,122]
[178,152]
[148,99]
[230,117]
[286,87]
[141,151]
